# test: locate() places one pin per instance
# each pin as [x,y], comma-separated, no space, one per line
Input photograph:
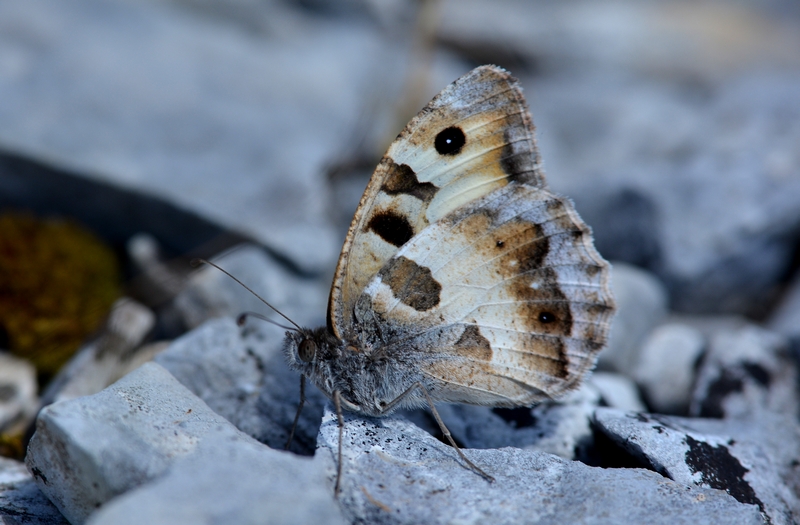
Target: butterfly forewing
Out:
[471,140]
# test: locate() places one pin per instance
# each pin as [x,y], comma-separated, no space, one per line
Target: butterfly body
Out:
[462,278]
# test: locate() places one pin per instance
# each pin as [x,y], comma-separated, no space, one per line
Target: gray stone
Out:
[754,461]
[18,400]
[666,367]
[641,304]
[745,371]
[21,501]
[241,373]
[110,356]
[209,293]
[90,449]
[617,391]
[233,480]
[394,472]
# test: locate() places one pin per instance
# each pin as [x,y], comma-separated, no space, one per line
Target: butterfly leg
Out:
[441,424]
[338,403]
[299,409]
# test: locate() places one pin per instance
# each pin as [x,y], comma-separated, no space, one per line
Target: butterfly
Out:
[462,278]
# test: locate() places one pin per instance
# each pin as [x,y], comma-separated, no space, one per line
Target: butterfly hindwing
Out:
[502,302]
[474,138]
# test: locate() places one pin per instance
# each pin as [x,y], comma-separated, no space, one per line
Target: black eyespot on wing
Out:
[546,317]
[391,227]
[449,141]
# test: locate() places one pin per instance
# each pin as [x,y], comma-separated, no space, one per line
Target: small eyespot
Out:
[500,244]
[546,317]
[449,141]
[307,350]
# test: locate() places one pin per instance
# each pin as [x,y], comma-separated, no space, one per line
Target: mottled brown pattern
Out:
[473,345]
[401,178]
[524,248]
[411,283]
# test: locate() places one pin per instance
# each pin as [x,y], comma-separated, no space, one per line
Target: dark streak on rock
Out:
[720,470]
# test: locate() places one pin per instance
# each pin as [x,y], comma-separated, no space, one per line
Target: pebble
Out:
[667,365]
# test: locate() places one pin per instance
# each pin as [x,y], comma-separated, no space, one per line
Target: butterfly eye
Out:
[306,350]
[449,141]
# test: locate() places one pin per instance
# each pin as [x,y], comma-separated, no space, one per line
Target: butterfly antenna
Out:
[242,319]
[197,262]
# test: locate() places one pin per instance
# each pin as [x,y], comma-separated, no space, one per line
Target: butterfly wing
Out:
[502,302]
[473,138]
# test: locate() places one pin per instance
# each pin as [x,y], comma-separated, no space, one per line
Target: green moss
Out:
[57,284]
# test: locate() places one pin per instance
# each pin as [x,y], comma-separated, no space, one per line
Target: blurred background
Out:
[674,125]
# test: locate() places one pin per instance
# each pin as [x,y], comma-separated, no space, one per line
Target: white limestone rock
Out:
[90,449]
[395,473]
[241,374]
[755,461]
[666,367]
[230,479]
[617,391]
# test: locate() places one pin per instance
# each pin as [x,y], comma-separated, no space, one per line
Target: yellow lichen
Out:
[57,284]
[12,446]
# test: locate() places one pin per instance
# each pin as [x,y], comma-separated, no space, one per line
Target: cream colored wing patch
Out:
[475,137]
[502,302]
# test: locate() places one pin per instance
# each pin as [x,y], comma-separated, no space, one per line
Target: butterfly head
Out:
[312,353]
[333,366]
